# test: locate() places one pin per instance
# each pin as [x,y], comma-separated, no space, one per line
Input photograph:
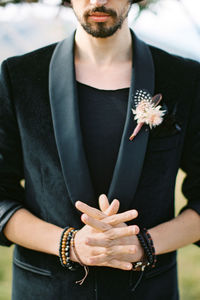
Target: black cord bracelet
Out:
[149,260]
[150,245]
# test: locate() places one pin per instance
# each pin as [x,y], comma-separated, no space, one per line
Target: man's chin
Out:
[102,31]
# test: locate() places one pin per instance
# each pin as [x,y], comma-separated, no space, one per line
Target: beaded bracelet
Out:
[63,240]
[150,245]
[64,250]
[147,251]
[70,264]
[149,259]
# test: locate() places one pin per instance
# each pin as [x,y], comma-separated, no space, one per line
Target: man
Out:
[66,120]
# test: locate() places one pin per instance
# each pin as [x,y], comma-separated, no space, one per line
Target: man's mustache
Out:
[101,9]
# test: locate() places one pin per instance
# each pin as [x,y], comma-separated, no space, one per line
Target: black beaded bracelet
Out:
[150,245]
[145,261]
[149,260]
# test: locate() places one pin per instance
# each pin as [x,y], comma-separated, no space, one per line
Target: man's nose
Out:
[98,2]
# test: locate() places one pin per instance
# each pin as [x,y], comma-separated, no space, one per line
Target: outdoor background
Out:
[173,25]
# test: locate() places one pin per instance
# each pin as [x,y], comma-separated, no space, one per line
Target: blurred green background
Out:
[188,259]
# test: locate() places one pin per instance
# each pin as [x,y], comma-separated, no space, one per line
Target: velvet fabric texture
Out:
[29,149]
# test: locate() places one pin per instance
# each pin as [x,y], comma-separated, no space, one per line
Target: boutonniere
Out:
[147,111]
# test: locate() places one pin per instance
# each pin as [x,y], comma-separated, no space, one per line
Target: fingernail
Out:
[137,229]
[129,267]
[135,213]
[116,200]
[103,195]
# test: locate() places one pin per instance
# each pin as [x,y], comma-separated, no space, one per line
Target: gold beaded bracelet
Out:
[63,243]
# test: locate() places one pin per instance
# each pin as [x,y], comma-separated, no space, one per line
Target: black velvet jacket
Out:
[40,141]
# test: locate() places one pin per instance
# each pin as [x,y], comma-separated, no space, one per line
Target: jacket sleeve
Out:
[11,162]
[190,160]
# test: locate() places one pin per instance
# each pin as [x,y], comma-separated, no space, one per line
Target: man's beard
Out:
[101,29]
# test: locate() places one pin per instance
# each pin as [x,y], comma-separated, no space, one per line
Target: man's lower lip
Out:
[99,18]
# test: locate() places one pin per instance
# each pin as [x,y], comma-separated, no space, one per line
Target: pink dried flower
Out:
[147,111]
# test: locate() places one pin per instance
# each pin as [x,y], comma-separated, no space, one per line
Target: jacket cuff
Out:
[194,206]
[4,220]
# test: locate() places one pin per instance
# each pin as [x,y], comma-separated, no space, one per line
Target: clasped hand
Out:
[106,240]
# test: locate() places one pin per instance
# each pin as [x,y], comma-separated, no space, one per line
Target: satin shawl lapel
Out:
[65,116]
[131,153]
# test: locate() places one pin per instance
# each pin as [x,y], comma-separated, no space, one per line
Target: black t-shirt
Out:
[102,118]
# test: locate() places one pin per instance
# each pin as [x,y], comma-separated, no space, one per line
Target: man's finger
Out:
[96,224]
[114,263]
[113,236]
[108,208]
[90,211]
[118,264]
[96,213]
[126,253]
[103,202]
[112,220]
[113,208]
[121,218]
